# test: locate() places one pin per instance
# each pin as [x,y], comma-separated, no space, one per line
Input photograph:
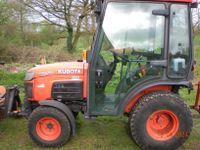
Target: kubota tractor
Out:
[140,58]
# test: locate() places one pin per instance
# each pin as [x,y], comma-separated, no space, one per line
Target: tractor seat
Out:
[2,95]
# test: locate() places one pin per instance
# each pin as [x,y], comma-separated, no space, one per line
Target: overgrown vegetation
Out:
[31,23]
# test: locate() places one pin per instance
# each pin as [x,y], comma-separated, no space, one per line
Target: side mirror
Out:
[161,12]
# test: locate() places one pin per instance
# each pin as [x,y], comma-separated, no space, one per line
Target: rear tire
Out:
[75,114]
[49,127]
[160,120]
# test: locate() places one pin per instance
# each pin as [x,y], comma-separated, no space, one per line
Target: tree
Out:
[13,18]
[4,13]
[19,15]
[67,14]
[196,21]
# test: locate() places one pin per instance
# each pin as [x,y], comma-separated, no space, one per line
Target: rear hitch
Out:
[196,104]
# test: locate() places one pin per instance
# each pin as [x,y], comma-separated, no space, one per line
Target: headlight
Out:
[28,90]
[29,76]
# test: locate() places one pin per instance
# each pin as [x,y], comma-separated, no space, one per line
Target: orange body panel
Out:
[46,75]
[144,92]
[2,91]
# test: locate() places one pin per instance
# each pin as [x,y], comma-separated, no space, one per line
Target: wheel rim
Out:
[48,128]
[162,125]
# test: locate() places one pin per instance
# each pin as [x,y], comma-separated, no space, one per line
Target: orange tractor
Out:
[141,56]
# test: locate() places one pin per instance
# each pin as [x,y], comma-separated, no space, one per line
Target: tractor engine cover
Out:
[66,81]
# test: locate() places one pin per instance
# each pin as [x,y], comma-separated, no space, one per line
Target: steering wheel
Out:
[116,55]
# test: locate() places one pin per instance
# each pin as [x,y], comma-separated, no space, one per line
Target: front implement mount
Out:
[13,106]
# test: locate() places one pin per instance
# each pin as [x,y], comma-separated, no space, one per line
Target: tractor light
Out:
[29,76]
[28,90]
[84,55]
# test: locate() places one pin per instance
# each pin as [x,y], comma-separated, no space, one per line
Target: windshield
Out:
[132,25]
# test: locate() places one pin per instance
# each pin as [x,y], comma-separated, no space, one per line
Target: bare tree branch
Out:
[68,14]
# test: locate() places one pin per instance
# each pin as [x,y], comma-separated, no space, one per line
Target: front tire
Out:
[49,127]
[160,120]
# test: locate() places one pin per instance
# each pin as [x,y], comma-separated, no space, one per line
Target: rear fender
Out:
[136,92]
[62,107]
[144,92]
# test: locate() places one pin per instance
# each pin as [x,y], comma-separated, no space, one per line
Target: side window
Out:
[179,41]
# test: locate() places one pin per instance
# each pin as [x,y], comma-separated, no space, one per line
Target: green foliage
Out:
[4,13]
[16,32]
[9,79]
[9,32]
[84,43]
[197,40]
[197,56]
[43,35]
[49,33]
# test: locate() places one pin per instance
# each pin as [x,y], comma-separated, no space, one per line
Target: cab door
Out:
[128,51]
[180,50]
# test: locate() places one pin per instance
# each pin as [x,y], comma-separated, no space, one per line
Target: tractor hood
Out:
[64,68]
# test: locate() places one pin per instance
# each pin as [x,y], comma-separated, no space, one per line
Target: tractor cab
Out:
[140,57]
[138,45]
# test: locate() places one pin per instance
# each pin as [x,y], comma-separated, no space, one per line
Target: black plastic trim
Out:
[70,90]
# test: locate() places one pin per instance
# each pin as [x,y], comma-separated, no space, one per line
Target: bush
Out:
[8,79]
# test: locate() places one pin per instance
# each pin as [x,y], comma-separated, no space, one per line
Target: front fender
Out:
[62,107]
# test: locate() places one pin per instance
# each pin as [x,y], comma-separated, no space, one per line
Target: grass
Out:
[105,133]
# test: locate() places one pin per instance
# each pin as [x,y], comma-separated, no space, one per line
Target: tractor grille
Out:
[28,90]
[68,90]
